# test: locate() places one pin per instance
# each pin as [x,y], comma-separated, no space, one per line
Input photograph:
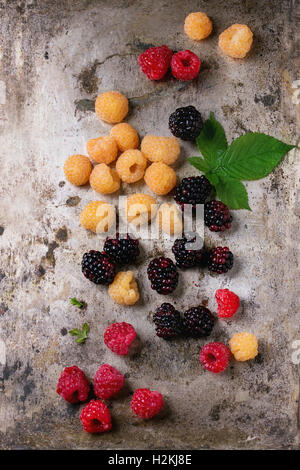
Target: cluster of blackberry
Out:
[219,259]
[197,322]
[100,267]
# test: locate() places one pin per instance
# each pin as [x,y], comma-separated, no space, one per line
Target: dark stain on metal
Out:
[3,308]
[215,413]
[73,201]
[88,80]
[8,371]
[49,256]
[84,105]
[40,271]
[140,45]
[62,234]
[27,390]
[269,99]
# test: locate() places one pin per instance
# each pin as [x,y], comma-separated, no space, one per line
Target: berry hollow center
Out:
[211,357]
[133,168]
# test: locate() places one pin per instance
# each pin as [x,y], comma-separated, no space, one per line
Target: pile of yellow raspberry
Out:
[121,148]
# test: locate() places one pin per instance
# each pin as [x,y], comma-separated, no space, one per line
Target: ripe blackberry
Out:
[220,260]
[122,249]
[186,123]
[163,275]
[98,267]
[192,190]
[167,321]
[191,257]
[217,216]
[198,321]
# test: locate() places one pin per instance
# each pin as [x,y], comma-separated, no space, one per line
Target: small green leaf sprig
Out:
[81,334]
[76,302]
[249,157]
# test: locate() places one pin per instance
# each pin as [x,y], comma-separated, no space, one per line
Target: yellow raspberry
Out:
[125,136]
[104,180]
[236,41]
[102,149]
[160,149]
[124,289]
[170,219]
[140,208]
[243,346]
[160,178]
[77,169]
[198,25]
[111,106]
[131,166]
[97,216]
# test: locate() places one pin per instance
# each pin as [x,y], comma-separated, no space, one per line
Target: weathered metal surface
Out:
[55,58]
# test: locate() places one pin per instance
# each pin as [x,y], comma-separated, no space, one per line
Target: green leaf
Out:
[212,141]
[213,178]
[75,332]
[81,339]
[252,156]
[76,302]
[199,163]
[233,193]
[82,334]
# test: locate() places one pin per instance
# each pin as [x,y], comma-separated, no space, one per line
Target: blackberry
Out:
[189,258]
[186,123]
[122,250]
[220,260]
[167,321]
[163,275]
[98,267]
[198,321]
[217,216]
[192,190]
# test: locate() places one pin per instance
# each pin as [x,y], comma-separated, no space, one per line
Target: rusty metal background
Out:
[56,56]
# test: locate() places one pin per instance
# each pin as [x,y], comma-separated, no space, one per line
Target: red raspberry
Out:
[155,62]
[146,403]
[228,303]
[108,381]
[95,417]
[118,337]
[185,65]
[73,385]
[215,357]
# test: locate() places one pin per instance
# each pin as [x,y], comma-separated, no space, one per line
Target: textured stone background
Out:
[55,58]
